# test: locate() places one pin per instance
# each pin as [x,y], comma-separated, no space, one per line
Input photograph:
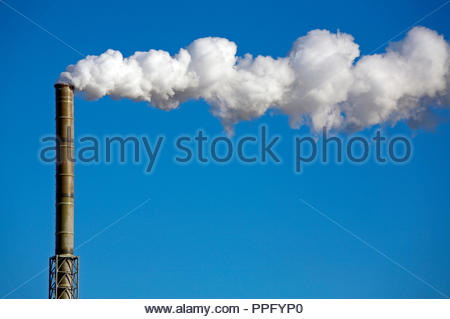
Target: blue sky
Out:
[213,231]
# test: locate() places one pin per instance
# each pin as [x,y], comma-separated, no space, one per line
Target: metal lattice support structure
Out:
[63,277]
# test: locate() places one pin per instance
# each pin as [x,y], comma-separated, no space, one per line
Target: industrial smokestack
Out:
[63,283]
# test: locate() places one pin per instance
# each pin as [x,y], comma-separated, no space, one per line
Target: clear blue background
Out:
[213,231]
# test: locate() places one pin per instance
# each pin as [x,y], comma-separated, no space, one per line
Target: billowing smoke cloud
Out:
[318,83]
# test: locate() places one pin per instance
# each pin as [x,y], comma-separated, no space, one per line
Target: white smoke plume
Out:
[319,82]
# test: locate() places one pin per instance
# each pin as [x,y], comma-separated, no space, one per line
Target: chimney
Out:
[63,277]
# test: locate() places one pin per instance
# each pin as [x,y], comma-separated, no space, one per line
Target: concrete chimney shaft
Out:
[64,170]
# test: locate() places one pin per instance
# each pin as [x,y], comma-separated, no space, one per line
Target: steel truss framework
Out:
[63,277]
